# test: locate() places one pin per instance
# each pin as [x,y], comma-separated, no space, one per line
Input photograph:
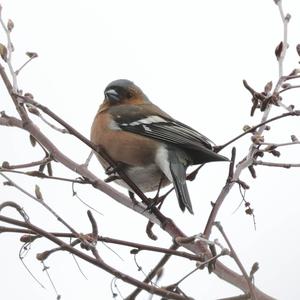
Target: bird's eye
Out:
[129,95]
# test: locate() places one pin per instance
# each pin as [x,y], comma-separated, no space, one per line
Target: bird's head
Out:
[123,91]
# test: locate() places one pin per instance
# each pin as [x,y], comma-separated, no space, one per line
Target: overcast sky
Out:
[190,58]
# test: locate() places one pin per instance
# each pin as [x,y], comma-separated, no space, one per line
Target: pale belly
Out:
[147,178]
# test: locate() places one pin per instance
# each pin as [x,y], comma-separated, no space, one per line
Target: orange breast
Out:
[129,148]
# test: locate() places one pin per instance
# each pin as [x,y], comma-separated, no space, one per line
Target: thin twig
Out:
[36,112]
[260,125]
[17,72]
[201,265]
[237,260]
[45,269]
[289,88]
[45,205]
[153,272]
[17,207]
[239,297]
[92,260]
[9,54]
[278,165]
[109,240]
[44,176]
[285,20]
[21,257]
[27,165]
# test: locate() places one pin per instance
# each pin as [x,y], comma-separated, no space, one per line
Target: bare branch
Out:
[151,289]
[278,165]
[235,257]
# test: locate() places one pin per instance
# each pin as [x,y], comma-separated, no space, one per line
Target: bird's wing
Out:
[168,130]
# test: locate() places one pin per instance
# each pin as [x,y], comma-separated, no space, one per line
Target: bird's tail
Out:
[178,169]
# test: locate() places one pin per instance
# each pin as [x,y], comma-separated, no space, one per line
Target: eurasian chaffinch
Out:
[153,148]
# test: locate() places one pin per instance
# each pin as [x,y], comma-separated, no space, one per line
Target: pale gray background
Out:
[190,58]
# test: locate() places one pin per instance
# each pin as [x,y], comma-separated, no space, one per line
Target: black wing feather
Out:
[176,133]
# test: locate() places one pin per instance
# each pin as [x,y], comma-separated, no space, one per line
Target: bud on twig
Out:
[294,138]
[38,192]
[254,269]
[278,50]
[298,49]
[257,139]
[287,17]
[5,165]
[32,140]
[246,128]
[295,71]
[252,171]
[275,153]
[286,85]
[10,25]
[31,54]
[268,87]
[3,52]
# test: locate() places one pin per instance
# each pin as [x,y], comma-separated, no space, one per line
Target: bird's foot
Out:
[112,178]
[132,197]
[110,171]
[113,169]
[157,202]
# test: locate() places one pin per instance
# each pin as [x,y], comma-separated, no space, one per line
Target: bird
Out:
[153,148]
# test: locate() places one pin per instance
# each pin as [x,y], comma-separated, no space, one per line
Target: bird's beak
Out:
[112,95]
